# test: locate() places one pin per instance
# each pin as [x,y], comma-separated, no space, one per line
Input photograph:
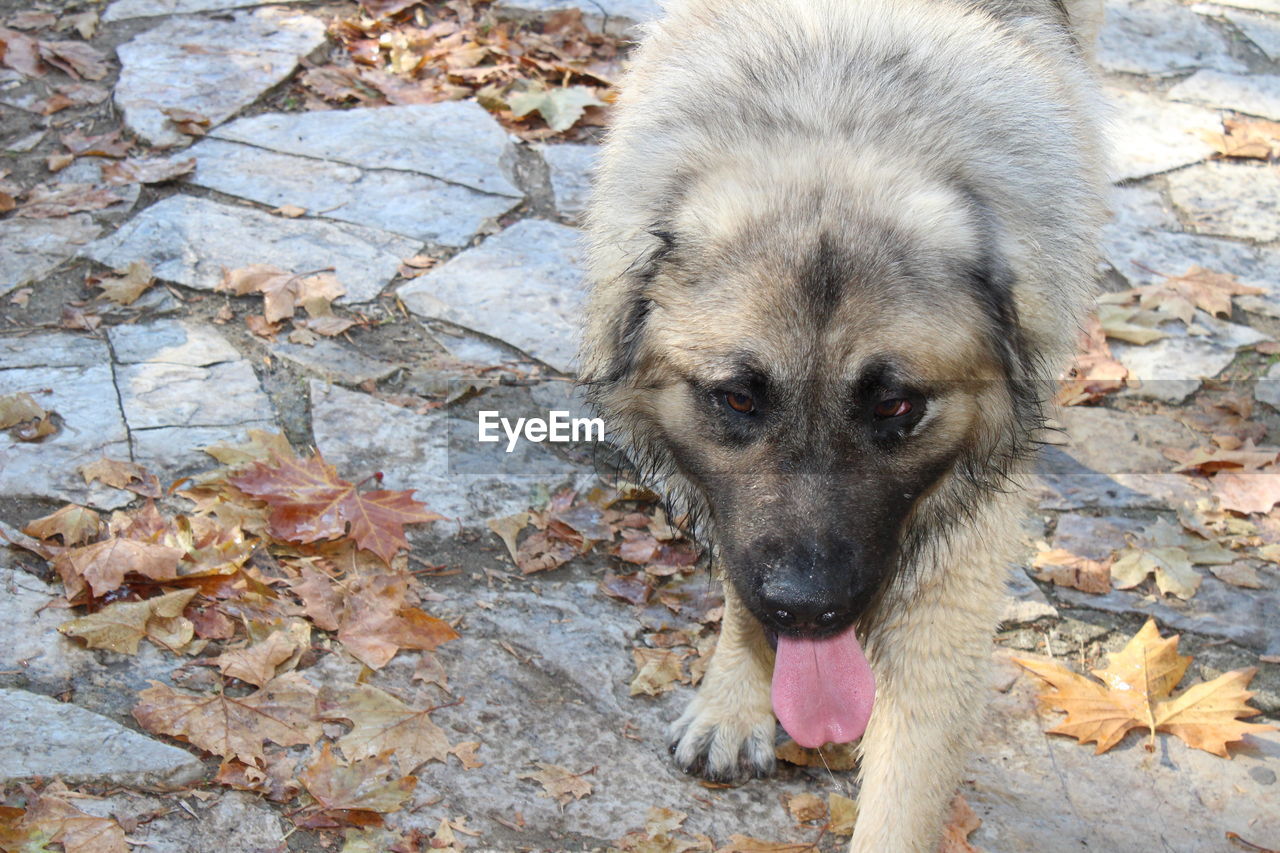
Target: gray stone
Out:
[88,170]
[570,167]
[200,64]
[455,141]
[1149,135]
[1160,37]
[612,16]
[469,347]
[1172,368]
[30,643]
[171,452]
[171,342]
[1267,389]
[30,249]
[1269,6]
[53,349]
[335,362]
[123,9]
[523,286]
[158,394]
[1256,94]
[418,206]
[233,821]
[436,454]
[42,737]
[1262,30]
[191,240]
[1176,799]
[25,143]
[85,399]
[1025,601]
[1229,199]
[1095,537]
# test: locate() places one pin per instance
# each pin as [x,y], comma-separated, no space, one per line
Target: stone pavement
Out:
[457,247]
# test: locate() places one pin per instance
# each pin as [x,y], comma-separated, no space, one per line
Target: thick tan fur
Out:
[708,155]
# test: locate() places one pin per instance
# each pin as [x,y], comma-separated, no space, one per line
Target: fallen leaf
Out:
[21,53]
[76,58]
[508,530]
[64,199]
[1136,691]
[1064,568]
[1247,138]
[1171,567]
[961,821]
[1095,372]
[74,524]
[104,564]
[112,472]
[1131,325]
[187,121]
[383,724]
[291,211]
[560,107]
[466,753]
[806,807]
[52,819]
[126,285]
[19,408]
[280,712]
[1238,574]
[119,627]
[634,588]
[377,622]
[1247,493]
[832,756]
[362,786]
[843,812]
[258,663]
[321,601]
[106,145]
[558,783]
[657,671]
[155,171]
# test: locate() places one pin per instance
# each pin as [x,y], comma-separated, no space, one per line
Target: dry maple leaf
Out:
[1247,493]
[961,821]
[76,58]
[362,786]
[258,663]
[19,408]
[104,564]
[1247,138]
[112,472]
[1095,372]
[119,627]
[558,783]
[1179,296]
[1209,460]
[280,712]
[377,621]
[47,202]
[843,813]
[74,524]
[1135,691]
[1067,569]
[835,756]
[51,819]
[657,671]
[321,601]
[278,782]
[382,723]
[806,807]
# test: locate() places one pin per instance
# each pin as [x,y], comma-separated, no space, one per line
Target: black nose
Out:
[793,609]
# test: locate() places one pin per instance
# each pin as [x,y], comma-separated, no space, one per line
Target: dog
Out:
[838,251]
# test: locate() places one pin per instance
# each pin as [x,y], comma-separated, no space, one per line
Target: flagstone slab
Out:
[1253,94]
[30,249]
[613,16]
[1160,37]
[333,361]
[1262,30]
[1225,199]
[122,10]
[400,202]
[171,452]
[1270,6]
[159,394]
[81,391]
[43,737]
[191,241]
[455,141]
[231,822]
[1172,367]
[171,342]
[1267,389]
[1149,135]
[523,286]
[570,168]
[208,65]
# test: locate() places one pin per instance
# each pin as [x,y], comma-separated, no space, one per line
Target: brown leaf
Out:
[107,145]
[75,524]
[1247,493]
[843,811]
[508,530]
[634,588]
[19,408]
[368,786]
[21,53]
[1095,373]
[121,626]
[280,712]
[961,821]
[806,807]
[155,171]
[320,598]
[1136,692]
[104,564]
[278,782]
[76,58]
[51,818]
[64,199]
[377,623]
[834,756]
[383,724]
[558,783]
[289,211]
[125,286]
[112,472]
[466,753]
[1247,138]
[1238,574]
[1066,569]
[657,671]
[258,663]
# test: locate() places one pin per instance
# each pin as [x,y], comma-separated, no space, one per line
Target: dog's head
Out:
[828,374]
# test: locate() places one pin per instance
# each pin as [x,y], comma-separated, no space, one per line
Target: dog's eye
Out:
[894,408]
[740,402]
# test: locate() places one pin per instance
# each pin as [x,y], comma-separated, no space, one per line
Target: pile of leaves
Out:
[283,293]
[275,560]
[405,52]
[1135,690]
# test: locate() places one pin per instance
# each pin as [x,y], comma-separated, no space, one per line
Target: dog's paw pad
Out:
[723,747]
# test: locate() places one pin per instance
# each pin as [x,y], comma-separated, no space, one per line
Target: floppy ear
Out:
[624,324]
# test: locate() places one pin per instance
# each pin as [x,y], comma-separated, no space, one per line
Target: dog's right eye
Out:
[742,403]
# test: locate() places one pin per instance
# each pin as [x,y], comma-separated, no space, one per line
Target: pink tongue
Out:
[823,689]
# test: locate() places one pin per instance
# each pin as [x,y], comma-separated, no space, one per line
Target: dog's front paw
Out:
[722,744]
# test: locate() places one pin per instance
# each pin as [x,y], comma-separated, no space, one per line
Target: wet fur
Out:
[822,196]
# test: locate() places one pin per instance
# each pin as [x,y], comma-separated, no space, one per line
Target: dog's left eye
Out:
[894,408]
[740,402]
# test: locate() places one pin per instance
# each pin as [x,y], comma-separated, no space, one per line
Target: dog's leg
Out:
[931,658]
[726,732]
